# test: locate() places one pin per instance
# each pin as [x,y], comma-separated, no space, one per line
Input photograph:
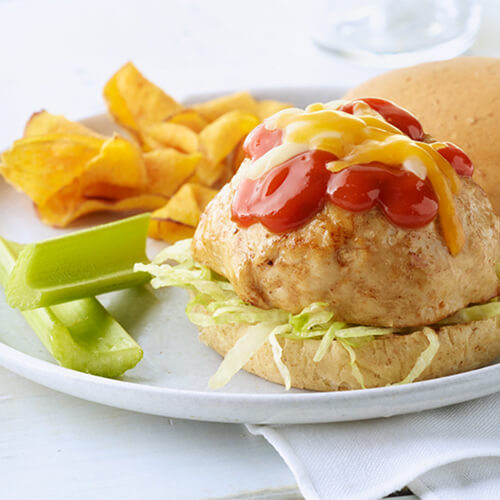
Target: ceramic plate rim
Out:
[484,381]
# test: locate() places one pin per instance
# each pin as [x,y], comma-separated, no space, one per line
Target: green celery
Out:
[81,264]
[81,335]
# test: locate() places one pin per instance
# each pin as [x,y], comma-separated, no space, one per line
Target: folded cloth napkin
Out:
[451,453]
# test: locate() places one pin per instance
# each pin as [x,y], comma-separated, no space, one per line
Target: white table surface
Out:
[57,55]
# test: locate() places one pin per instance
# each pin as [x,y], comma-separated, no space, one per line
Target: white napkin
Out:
[451,453]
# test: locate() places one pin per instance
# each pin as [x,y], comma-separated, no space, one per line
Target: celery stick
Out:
[80,264]
[81,335]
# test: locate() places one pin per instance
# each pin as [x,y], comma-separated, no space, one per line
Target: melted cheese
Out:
[273,157]
[363,137]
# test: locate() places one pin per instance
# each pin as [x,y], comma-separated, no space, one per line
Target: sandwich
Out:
[456,100]
[350,250]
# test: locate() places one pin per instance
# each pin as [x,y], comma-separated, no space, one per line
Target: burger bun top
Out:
[456,100]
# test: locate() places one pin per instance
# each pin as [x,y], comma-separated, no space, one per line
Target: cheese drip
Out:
[359,138]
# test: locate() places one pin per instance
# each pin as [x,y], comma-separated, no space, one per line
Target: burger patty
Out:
[369,271]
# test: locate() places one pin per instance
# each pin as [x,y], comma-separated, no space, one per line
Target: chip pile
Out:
[173,163]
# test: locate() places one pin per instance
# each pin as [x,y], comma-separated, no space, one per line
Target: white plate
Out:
[172,378]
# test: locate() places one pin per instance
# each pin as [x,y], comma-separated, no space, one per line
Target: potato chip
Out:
[225,176]
[63,172]
[238,157]
[42,165]
[218,140]
[171,135]
[168,230]
[57,212]
[221,136]
[69,170]
[135,102]
[168,169]
[105,191]
[188,203]
[43,123]
[189,118]
[213,109]
[180,216]
[118,163]
[207,173]
[269,107]
[63,206]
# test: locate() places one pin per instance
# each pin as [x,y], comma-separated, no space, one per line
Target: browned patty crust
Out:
[369,271]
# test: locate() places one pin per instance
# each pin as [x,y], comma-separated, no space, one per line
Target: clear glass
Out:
[397,32]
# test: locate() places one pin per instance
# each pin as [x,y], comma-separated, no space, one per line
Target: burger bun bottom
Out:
[383,361]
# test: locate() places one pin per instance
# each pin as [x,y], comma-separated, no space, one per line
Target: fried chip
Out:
[189,118]
[225,176]
[119,163]
[169,230]
[221,136]
[207,173]
[68,175]
[43,123]
[269,107]
[218,140]
[168,169]
[69,170]
[188,203]
[213,109]
[171,135]
[180,216]
[42,165]
[238,157]
[57,213]
[135,102]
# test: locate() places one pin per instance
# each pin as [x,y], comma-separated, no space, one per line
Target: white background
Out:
[57,55]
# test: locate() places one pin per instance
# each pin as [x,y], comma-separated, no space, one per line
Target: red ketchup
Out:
[285,197]
[457,159]
[290,194]
[406,200]
[260,140]
[392,114]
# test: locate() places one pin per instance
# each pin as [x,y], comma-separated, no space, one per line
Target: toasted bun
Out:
[385,360]
[456,100]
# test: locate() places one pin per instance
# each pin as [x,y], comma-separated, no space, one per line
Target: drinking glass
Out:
[397,32]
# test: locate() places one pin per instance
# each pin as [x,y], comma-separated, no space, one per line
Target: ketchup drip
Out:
[290,194]
[261,140]
[392,114]
[406,200]
[285,197]
[457,159]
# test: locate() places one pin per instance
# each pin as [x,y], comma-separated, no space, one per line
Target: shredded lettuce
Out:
[354,365]
[214,302]
[355,332]
[310,317]
[425,358]
[245,347]
[277,352]
[473,313]
[327,340]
